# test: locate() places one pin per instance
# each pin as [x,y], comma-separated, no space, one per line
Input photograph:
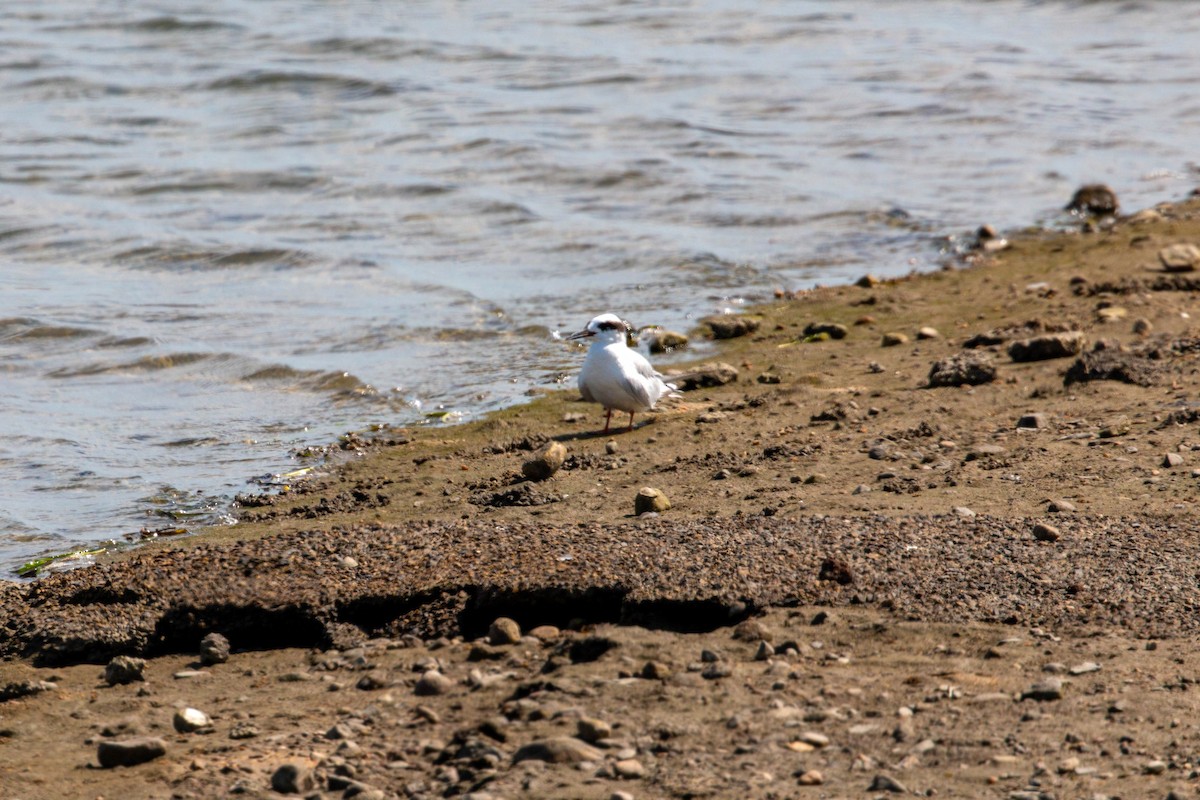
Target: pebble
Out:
[1142,326]
[545,633]
[504,631]
[1035,420]
[815,739]
[649,499]
[1060,506]
[927,332]
[1172,460]
[1085,668]
[893,339]
[293,777]
[867,281]
[547,462]
[629,768]
[886,783]
[558,750]
[214,649]
[963,369]
[124,669]
[610,447]
[1179,257]
[189,720]
[705,377]
[835,330]
[764,651]
[433,682]
[656,671]
[964,512]
[716,671]
[661,340]
[620,796]
[1046,533]
[751,630]
[592,730]
[127,752]
[811,777]
[1044,691]
[1155,768]
[1095,199]
[730,326]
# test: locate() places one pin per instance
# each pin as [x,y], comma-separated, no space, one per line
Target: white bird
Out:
[615,376]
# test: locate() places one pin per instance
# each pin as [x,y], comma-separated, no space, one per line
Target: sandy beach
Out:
[936,537]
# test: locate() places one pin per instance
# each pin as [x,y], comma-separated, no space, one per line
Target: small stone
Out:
[545,633]
[432,683]
[1142,326]
[656,671]
[661,340]
[1034,420]
[835,330]
[928,332]
[764,651]
[769,379]
[243,730]
[1093,199]
[547,462]
[592,730]
[893,339]
[1046,533]
[620,796]
[730,326]
[1060,506]
[1172,460]
[558,750]
[814,738]
[1044,691]
[704,377]
[610,447]
[648,500]
[811,777]
[1155,768]
[717,670]
[1084,668]
[214,649]
[886,783]
[836,570]
[1180,257]
[751,630]
[984,451]
[629,768]
[1052,345]
[1111,313]
[962,369]
[964,512]
[124,669]
[504,631]
[867,281]
[189,720]
[293,777]
[128,752]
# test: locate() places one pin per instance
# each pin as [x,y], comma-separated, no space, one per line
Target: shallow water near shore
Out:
[230,230]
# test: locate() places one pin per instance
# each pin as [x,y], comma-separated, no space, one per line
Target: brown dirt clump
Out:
[876,576]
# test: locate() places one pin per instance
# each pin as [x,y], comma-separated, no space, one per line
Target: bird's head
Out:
[605,328]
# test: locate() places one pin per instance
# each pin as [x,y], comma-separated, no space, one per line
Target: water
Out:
[231,229]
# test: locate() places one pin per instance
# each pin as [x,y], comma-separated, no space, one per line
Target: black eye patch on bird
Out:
[614,326]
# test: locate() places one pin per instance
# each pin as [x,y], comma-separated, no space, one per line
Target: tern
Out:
[614,376]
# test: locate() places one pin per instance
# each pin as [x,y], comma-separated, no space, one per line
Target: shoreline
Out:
[844,539]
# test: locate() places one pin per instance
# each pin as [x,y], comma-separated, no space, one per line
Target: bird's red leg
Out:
[607,420]
[630,420]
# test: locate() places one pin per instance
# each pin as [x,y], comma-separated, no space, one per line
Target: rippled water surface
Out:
[231,229]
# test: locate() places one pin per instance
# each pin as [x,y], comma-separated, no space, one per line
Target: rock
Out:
[834,330]
[558,750]
[704,377]
[592,730]
[963,369]
[1046,533]
[656,671]
[189,720]
[214,649]
[886,783]
[124,669]
[811,777]
[751,630]
[611,447]
[1084,668]
[629,768]
[717,670]
[1155,767]
[1034,420]
[1111,314]
[814,738]
[660,340]
[547,462]
[504,631]
[730,326]
[433,683]
[545,633]
[243,730]
[128,752]
[293,777]
[1060,506]
[1179,257]
[1113,365]
[1044,691]
[836,570]
[764,651]
[769,379]
[1047,346]
[650,500]
[983,451]
[867,281]
[927,332]
[1094,199]
[1142,326]
[1172,460]
[894,339]
[964,512]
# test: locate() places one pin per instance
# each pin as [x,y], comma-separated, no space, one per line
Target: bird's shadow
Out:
[583,435]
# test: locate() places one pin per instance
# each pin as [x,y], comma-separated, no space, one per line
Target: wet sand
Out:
[976,590]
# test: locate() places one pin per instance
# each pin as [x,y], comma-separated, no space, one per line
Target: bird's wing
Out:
[644,367]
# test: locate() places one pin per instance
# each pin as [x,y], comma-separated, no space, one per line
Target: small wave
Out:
[183,258]
[169,24]
[15,329]
[303,82]
[249,182]
[599,80]
[67,87]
